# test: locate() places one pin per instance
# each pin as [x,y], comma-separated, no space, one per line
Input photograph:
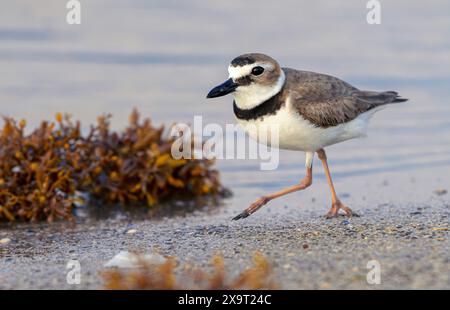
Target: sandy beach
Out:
[307,251]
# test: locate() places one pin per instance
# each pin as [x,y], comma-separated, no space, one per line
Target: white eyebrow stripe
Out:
[240,71]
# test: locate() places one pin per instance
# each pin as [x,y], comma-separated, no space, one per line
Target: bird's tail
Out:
[380,98]
[396,97]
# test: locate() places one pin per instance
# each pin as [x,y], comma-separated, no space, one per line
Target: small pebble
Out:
[132,231]
[439,228]
[440,191]
[5,241]
[345,222]
[325,285]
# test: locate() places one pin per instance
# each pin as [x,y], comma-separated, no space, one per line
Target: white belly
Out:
[296,133]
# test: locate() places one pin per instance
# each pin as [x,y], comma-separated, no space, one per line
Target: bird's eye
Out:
[257,70]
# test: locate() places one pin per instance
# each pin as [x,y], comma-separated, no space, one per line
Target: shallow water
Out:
[163,56]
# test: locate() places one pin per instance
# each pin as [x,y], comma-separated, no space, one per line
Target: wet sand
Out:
[408,237]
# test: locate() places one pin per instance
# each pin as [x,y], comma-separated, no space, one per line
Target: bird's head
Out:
[253,78]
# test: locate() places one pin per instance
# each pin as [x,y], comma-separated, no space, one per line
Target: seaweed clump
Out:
[164,276]
[43,172]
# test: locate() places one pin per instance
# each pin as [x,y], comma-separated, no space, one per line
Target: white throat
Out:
[250,96]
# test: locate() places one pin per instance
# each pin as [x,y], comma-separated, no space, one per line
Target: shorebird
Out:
[312,111]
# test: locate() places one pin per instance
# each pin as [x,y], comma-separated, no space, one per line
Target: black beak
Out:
[225,88]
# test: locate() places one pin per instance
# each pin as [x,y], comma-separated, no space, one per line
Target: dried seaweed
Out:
[164,276]
[42,172]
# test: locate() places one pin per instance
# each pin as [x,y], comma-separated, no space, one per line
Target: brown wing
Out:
[327,101]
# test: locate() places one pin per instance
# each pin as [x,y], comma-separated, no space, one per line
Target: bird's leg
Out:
[307,181]
[336,204]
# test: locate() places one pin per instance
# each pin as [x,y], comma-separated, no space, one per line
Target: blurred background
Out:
[163,56]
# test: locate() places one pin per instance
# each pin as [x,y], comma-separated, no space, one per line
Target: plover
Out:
[312,111]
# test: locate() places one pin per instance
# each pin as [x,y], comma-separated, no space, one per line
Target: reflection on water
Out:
[110,58]
[163,56]
[175,207]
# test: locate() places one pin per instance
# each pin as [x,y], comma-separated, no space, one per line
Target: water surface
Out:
[163,56]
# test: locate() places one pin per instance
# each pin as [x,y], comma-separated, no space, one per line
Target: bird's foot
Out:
[334,211]
[252,209]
